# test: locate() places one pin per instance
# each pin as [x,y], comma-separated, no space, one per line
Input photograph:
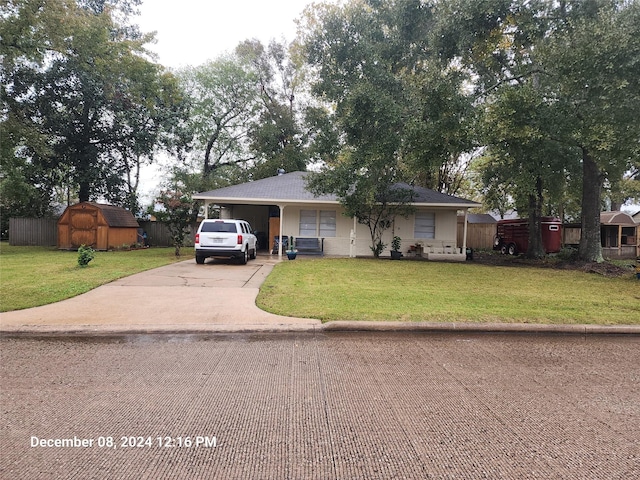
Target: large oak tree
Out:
[83,103]
[578,64]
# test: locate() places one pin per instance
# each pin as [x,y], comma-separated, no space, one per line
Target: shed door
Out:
[83,226]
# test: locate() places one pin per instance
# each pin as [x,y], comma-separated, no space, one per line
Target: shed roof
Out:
[291,187]
[616,218]
[115,216]
[478,218]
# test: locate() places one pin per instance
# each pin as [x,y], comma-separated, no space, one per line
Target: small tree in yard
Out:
[373,197]
[85,255]
[178,214]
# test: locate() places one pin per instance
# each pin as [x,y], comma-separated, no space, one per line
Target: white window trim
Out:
[319,231]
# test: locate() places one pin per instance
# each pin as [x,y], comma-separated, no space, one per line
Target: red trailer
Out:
[512,236]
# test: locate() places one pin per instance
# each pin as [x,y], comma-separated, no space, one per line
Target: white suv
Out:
[225,238]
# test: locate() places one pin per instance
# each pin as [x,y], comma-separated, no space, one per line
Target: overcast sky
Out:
[189,32]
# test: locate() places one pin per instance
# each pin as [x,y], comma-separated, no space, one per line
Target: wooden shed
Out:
[619,235]
[618,232]
[98,225]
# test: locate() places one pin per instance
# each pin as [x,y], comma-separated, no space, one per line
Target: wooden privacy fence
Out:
[41,232]
[158,234]
[479,235]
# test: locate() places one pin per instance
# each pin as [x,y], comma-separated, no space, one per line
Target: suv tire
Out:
[245,256]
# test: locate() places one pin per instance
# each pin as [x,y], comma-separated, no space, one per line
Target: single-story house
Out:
[281,206]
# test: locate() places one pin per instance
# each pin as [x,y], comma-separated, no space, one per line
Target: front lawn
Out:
[368,289]
[33,276]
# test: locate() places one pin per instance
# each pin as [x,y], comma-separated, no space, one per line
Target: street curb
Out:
[581,329]
[336,326]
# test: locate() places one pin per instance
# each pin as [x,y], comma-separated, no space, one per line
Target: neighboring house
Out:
[281,206]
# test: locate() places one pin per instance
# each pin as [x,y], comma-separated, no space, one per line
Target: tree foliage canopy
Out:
[541,98]
[82,104]
[401,114]
[558,85]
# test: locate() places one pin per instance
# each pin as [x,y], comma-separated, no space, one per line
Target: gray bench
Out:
[309,245]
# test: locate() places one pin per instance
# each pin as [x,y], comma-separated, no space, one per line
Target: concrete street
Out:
[320,405]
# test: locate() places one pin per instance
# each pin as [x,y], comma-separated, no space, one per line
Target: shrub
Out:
[85,255]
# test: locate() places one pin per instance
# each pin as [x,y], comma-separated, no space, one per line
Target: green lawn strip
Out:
[363,289]
[33,276]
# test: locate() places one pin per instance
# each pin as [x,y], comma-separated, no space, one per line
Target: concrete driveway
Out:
[219,295]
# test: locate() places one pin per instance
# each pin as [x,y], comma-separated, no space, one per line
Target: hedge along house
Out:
[281,207]
[98,225]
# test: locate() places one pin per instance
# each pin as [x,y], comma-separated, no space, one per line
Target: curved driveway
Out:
[219,295]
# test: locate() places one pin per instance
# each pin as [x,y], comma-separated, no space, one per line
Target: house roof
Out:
[478,218]
[115,216]
[291,187]
[616,218]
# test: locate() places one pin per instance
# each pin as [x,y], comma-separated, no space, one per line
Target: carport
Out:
[266,204]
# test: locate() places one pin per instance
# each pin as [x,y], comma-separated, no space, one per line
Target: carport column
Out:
[352,239]
[464,231]
[206,209]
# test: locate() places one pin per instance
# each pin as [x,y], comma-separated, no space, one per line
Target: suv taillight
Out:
[197,238]
[239,239]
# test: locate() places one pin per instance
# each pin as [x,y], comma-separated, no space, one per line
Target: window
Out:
[327,223]
[425,225]
[308,223]
[310,227]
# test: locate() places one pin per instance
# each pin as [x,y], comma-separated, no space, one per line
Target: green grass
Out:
[363,289]
[33,276]
[353,289]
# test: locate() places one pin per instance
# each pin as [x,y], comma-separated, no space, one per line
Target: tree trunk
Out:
[592,181]
[536,247]
[84,193]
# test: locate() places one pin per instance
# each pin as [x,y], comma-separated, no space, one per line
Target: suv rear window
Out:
[218,227]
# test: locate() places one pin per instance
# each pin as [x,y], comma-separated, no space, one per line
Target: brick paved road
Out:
[322,406]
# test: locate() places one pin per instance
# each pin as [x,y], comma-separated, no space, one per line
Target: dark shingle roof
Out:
[292,187]
[425,195]
[116,216]
[478,218]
